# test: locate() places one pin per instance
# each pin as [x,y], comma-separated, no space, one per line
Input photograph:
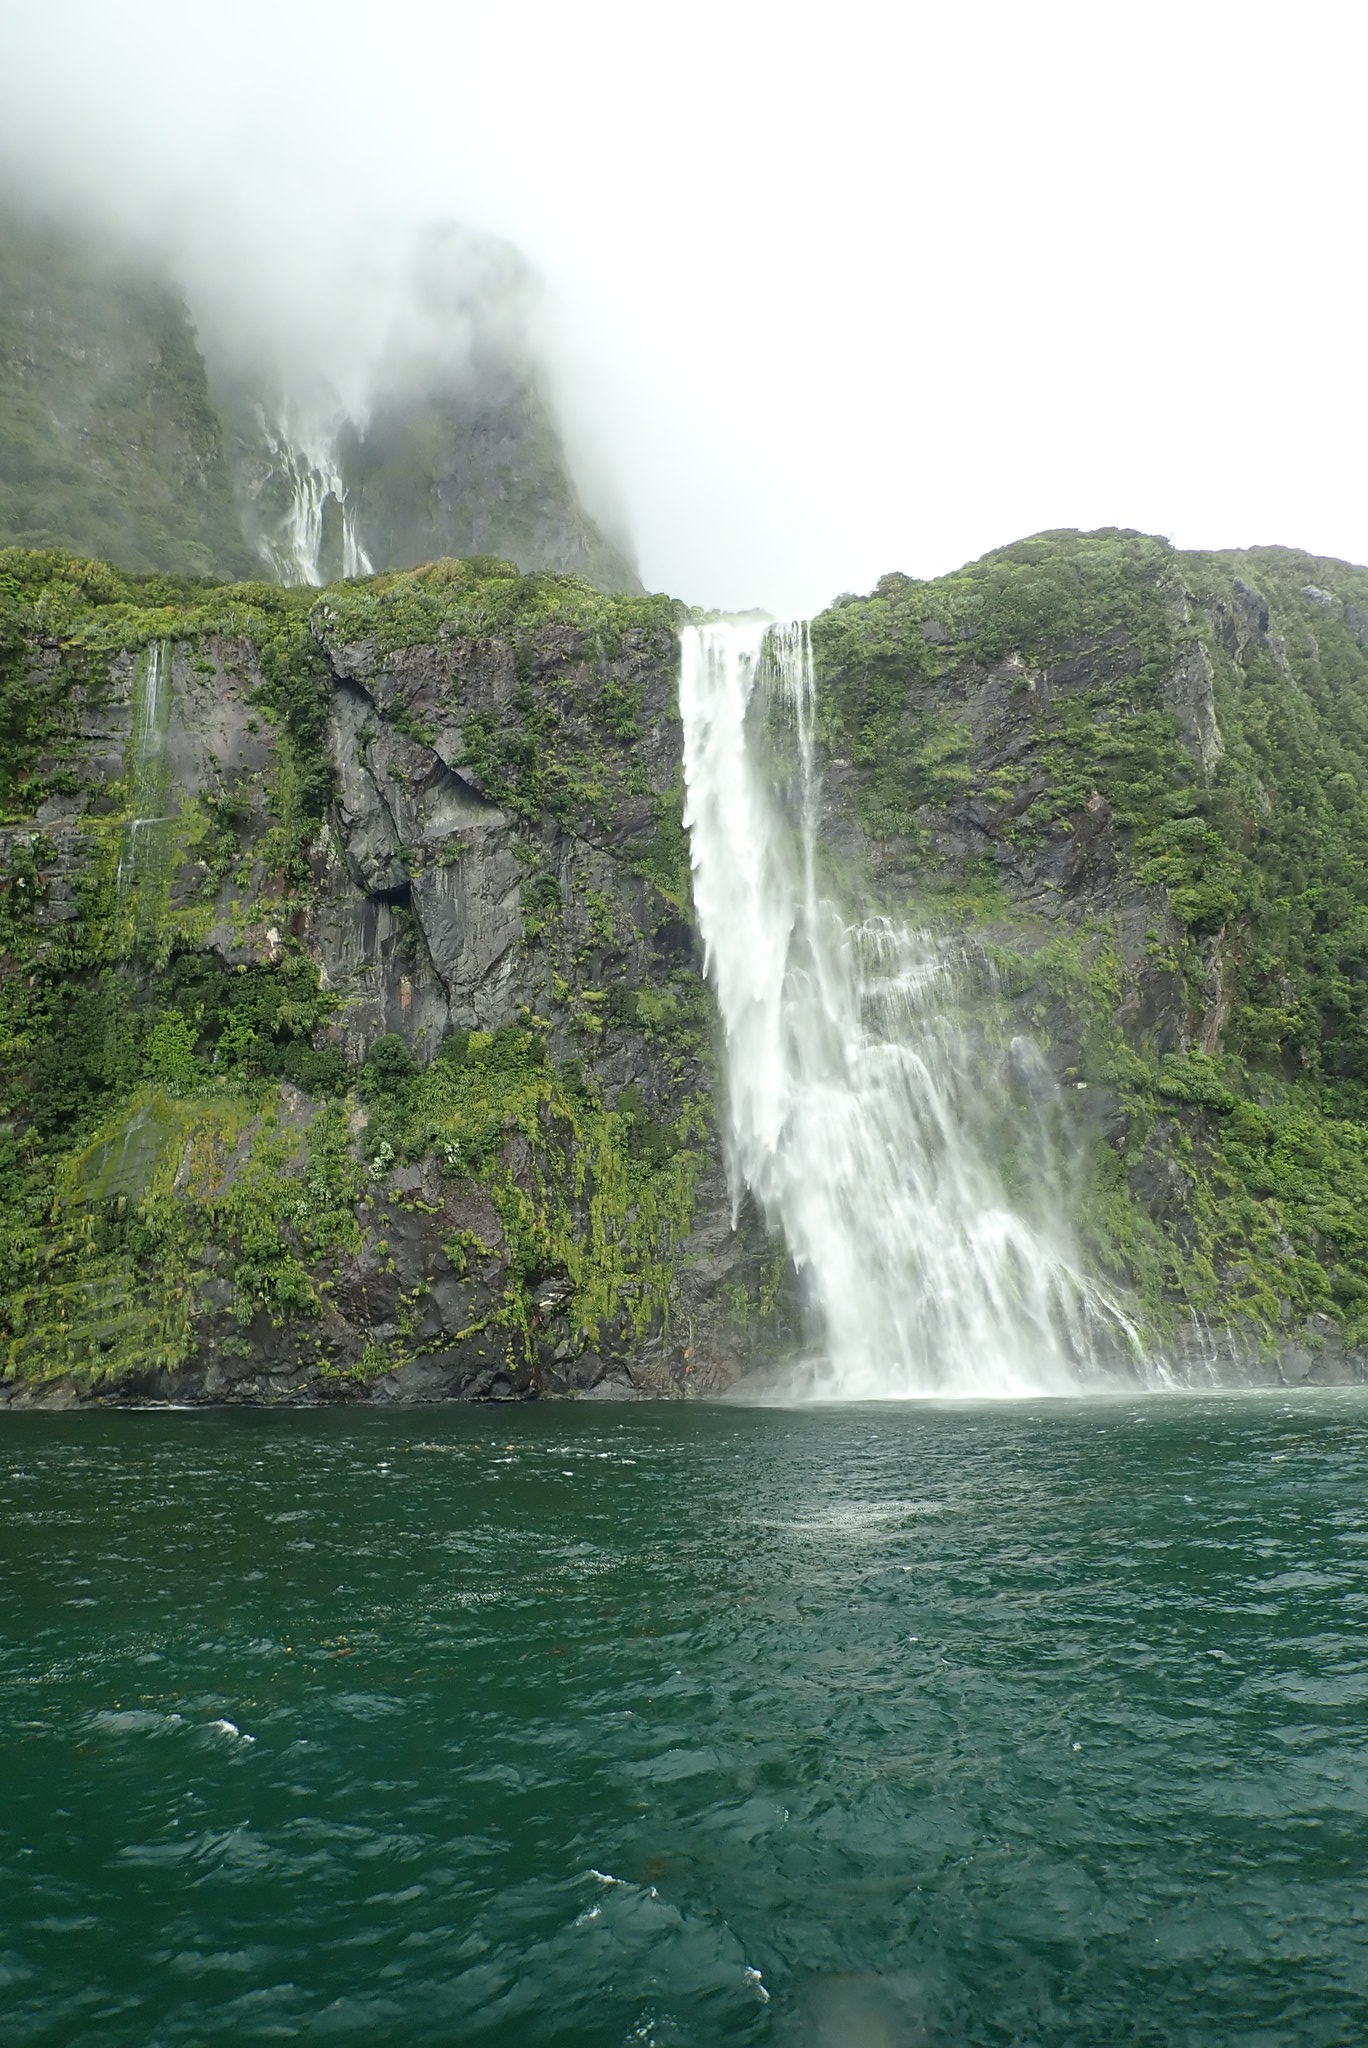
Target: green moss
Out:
[101,1271]
[485,599]
[293,1203]
[165,1190]
[664,858]
[600,1197]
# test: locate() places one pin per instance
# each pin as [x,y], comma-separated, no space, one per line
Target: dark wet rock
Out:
[1188,690]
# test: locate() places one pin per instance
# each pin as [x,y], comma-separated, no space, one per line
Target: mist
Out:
[819,296]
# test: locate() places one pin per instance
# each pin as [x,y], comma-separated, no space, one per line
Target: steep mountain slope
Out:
[115,440]
[474,470]
[108,441]
[1139,780]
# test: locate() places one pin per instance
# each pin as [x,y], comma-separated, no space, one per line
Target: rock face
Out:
[474,469]
[381,1064]
[460,452]
[108,441]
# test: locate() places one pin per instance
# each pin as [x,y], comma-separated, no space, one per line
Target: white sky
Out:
[841,289]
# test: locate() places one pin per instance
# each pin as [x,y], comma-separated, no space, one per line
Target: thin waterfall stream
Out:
[868,1122]
[149,846]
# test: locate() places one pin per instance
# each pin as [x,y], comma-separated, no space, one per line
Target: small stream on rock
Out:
[873,1124]
[149,846]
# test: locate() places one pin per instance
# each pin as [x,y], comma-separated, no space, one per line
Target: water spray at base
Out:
[868,1123]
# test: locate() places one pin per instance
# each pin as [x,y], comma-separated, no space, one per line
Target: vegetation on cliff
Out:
[196,1146]
[1137,780]
[1142,777]
[109,442]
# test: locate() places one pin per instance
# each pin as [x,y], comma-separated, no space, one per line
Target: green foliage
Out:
[1193,1077]
[169,1051]
[255,1023]
[292,1204]
[664,858]
[206,1040]
[541,905]
[484,599]
[296,689]
[388,1076]
[1057,597]
[534,762]
[620,707]
[603,1197]
[66,1048]
[1240,1190]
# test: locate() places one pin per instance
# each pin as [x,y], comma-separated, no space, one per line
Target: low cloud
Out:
[817,298]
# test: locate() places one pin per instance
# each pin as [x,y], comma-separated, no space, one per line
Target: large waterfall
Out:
[871,1125]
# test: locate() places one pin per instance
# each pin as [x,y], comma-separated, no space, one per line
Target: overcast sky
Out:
[838,289]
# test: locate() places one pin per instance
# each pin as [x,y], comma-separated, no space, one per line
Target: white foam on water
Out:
[224,1727]
[132,1721]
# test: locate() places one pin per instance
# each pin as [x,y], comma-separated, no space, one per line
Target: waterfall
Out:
[866,1118]
[148,849]
[303,471]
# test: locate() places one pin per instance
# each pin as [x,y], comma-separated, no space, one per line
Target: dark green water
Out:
[1036,1724]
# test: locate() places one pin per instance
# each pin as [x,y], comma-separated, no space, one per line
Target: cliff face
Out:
[115,440]
[354,1044]
[460,452]
[108,441]
[1138,780]
[473,469]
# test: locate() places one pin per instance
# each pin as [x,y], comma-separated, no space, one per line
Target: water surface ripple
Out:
[1040,1723]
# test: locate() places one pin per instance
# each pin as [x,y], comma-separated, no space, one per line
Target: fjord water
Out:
[865,1117]
[1037,1722]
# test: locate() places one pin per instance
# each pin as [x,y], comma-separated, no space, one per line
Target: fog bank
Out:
[822,295]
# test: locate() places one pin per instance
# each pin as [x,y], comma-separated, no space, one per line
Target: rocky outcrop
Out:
[1188,692]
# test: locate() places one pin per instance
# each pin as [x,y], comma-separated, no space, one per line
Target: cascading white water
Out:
[148,852]
[864,1119]
[307,464]
[145,750]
